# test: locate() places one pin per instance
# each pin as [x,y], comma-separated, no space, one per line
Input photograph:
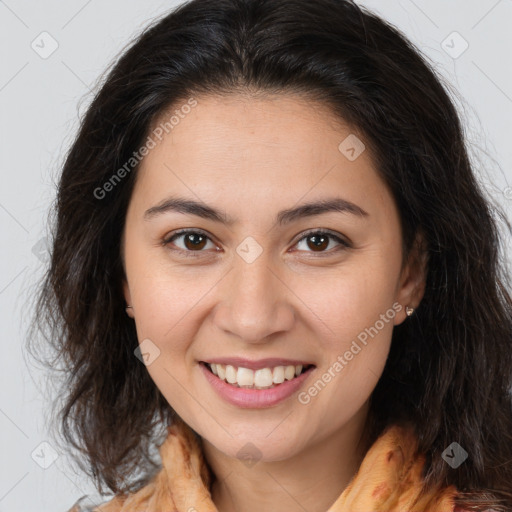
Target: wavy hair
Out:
[449,371]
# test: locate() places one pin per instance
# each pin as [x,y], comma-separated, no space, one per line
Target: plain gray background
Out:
[41,98]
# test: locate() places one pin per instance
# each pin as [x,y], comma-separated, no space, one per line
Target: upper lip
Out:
[257,364]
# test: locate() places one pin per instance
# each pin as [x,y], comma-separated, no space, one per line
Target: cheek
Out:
[345,302]
[351,315]
[167,306]
[164,297]
[169,314]
[353,324]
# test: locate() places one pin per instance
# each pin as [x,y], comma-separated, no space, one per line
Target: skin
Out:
[251,158]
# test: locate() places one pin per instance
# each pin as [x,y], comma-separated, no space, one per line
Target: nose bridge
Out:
[253,303]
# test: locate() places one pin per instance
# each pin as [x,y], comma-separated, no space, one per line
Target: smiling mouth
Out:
[264,378]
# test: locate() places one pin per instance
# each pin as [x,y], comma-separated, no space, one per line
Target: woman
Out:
[273,262]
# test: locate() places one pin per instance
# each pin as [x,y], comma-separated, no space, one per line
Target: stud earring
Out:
[409,311]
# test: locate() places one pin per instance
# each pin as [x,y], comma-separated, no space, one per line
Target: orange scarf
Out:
[388,480]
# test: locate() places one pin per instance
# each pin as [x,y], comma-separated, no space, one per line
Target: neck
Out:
[310,480]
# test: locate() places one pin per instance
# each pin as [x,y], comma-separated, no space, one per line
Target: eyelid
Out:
[185,231]
[324,231]
[175,234]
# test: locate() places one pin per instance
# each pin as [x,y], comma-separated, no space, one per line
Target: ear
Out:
[127,298]
[411,287]
[126,288]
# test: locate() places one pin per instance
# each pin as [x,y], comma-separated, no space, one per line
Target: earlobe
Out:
[413,279]
[128,299]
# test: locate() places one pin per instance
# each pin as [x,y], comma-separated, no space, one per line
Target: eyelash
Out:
[194,254]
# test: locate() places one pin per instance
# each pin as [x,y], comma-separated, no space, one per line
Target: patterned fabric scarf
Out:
[388,480]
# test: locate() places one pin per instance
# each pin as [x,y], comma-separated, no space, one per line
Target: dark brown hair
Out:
[449,371]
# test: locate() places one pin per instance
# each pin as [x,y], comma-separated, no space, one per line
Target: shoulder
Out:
[459,509]
[87,504]
[81,505]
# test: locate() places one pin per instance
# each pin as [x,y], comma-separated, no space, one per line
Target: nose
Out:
[254,302]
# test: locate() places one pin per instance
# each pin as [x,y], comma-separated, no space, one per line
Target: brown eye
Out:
[319,241]
[192,241]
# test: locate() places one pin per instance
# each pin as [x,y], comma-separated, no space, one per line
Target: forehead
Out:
[280,147]
[229,129]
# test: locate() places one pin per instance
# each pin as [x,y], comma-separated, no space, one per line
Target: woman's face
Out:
[270,283]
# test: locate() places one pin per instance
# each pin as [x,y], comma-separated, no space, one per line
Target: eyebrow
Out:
[199,209]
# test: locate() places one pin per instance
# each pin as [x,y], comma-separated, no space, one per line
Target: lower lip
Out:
[255,398]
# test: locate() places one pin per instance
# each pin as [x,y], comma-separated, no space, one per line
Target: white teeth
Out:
[245,377]
[278,375]
[230,374]
[263,378]
[221,371]
[289,372]
[260,379]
